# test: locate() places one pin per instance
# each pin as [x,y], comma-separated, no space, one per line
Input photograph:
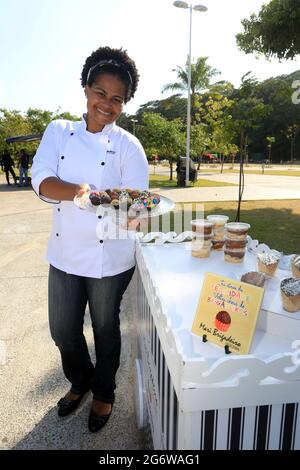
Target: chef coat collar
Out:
[106,129]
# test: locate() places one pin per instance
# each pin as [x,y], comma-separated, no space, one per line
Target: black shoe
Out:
[67,406]
[97,422]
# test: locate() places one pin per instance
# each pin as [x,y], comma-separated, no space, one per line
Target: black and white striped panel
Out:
[289,426]
[169,406]
[266,427]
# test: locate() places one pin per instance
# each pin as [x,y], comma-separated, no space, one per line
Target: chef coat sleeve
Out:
[135,167]
[45,161]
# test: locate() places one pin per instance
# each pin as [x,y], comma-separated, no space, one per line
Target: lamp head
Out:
[199,8]
[180,4]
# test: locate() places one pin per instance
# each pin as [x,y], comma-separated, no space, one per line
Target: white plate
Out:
[165,205]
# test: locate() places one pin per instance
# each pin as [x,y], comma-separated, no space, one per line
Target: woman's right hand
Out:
[82,188]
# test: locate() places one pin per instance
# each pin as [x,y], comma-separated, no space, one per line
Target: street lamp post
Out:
[133,124]
[201,8]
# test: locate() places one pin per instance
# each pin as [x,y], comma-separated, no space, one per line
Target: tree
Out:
[170,108]
[274,31]
[162,137]
[127,121]
[38,120]
[291,134]
[199,140]
[247,112]
[201,75]
[12,123]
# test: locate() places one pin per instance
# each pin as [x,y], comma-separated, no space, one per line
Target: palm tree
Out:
[201,74]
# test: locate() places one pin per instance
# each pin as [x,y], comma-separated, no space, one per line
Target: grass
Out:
[162,181]
[276,223]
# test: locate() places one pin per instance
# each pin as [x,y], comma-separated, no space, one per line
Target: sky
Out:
[44,44]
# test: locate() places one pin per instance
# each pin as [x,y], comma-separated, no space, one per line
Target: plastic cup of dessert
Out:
[237,230]
[218,220]
[234,250]
[267,263]
[290,294]
[202,226]
[217,245]
[201,248]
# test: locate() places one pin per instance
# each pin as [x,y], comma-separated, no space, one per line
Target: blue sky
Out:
[44,44]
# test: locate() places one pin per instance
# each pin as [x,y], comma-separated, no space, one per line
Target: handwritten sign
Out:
[227,312]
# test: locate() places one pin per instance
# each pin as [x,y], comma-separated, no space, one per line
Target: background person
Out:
[23,167]
[7,165]
[83,268]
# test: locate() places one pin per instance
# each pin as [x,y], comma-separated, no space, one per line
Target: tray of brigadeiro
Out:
[125,202]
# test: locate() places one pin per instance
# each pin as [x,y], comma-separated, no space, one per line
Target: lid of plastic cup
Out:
[237,226]
[217,217]
[201,223]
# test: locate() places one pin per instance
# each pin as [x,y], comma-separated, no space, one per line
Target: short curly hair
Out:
[127,71]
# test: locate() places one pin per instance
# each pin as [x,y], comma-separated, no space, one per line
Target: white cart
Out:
[192,394]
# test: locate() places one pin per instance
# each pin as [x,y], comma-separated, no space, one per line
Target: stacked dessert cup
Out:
[219,222]
[235,241]
[202,238]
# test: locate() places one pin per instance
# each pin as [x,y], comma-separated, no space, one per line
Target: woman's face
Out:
[105,99]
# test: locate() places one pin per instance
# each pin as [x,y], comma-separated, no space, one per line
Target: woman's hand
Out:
[82,188]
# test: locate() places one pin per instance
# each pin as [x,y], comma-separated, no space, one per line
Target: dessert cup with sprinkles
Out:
[267,263]
[290,294]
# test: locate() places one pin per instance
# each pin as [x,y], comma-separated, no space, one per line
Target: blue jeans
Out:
[23,176]
[68,297]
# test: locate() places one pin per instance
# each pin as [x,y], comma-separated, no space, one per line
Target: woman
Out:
[71,158]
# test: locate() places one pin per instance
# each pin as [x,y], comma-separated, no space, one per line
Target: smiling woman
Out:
[86,267]
[110,79]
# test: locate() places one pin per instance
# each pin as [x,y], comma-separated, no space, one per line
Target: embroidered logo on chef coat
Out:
[109,150]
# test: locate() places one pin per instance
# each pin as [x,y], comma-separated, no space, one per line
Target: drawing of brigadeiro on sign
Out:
[222,320]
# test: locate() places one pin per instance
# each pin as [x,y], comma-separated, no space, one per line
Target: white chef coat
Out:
[112,158]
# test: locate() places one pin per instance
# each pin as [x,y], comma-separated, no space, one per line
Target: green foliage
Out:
[274,31]
[162,137]
[170,108]
[127,122]
[199,140]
